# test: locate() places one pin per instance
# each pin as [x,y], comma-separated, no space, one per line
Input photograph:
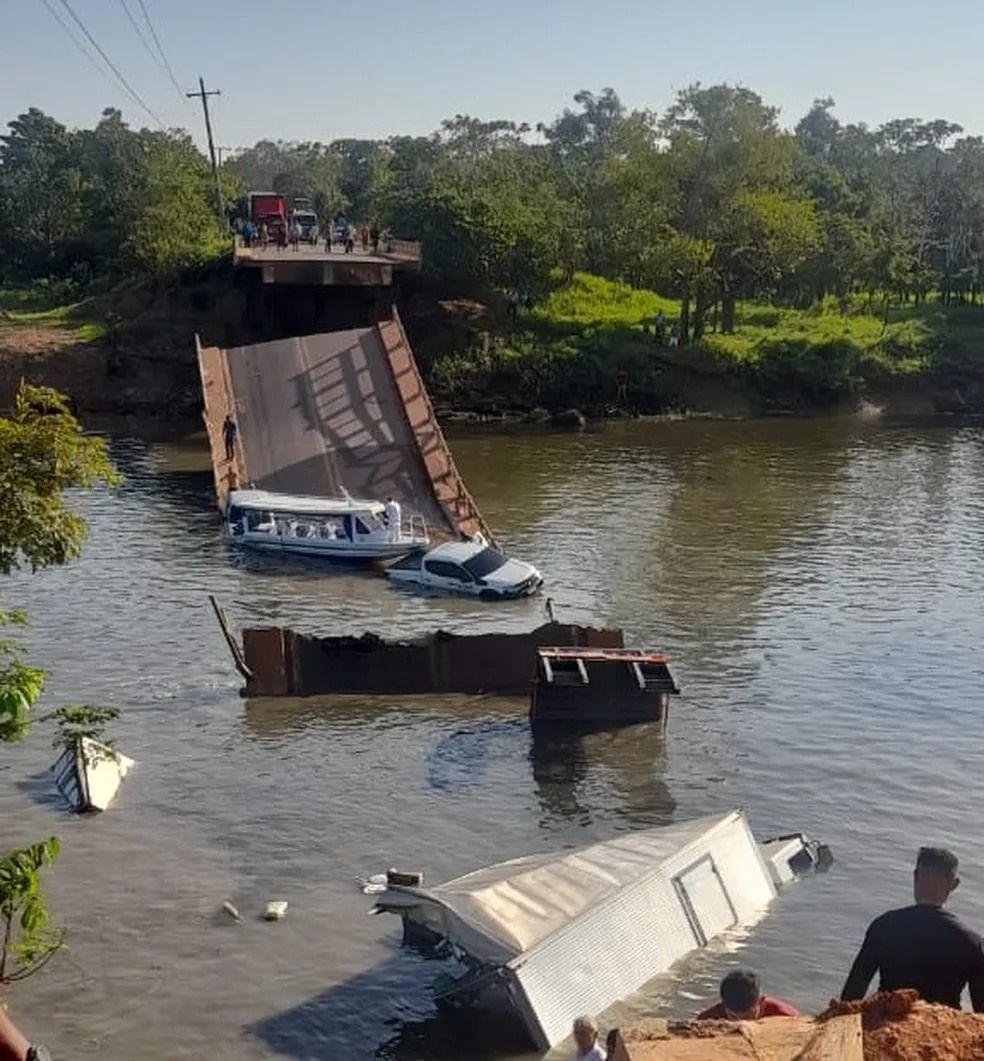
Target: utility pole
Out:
[203,96]
[219,149]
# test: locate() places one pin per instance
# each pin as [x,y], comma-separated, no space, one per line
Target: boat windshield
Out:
[484,563]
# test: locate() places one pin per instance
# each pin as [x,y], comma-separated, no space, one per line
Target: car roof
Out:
[458,552]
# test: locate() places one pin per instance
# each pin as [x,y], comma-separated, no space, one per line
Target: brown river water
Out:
[818,584]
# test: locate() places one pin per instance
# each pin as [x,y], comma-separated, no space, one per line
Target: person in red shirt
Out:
[742,999]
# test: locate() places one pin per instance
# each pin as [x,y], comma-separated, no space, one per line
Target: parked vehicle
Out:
[267,208]
[472,567]
[308,222]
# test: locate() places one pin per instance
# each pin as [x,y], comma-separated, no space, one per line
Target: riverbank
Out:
[590,344]
[593,344]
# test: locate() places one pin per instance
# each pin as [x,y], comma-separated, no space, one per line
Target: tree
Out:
[41,213]
[27,941]
[43,452]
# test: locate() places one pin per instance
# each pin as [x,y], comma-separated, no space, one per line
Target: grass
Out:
[569,349]
[51,304]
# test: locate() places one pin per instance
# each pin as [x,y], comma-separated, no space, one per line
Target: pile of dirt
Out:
[899,1027]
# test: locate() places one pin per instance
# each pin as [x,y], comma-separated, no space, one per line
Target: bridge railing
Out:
[402,248]
[407,250]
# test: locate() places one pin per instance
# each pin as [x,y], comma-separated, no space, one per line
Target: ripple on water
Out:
[816,583]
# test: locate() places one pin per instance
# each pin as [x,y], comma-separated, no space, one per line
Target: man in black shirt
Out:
[923,946]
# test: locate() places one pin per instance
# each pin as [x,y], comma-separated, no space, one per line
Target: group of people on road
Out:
[922,946]
[337,230]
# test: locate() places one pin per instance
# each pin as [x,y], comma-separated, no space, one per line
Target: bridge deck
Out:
[322,412]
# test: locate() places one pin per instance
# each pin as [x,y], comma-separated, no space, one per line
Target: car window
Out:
[443,569]
[484,563]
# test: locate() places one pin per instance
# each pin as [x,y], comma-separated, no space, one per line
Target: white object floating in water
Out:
[231,910]
[88,774]
[275,911]
[374,884]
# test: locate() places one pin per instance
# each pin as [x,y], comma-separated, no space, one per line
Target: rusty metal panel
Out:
[447,485]
[266,658]
[218,401]
[437,663]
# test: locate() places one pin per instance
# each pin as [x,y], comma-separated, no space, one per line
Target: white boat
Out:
[339,528]
[573,932]
[88,774]
[471,567]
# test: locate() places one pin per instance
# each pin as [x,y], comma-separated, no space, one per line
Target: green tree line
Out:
[108,201]
[711,202]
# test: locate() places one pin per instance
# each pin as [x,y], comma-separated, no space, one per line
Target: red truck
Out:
[267,208]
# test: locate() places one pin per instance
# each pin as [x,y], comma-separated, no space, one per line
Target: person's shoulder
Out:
[964,930]
[775,1007]
[891,918]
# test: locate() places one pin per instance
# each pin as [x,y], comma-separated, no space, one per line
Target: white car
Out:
[472,567]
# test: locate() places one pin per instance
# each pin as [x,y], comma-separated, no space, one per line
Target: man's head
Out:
[935,875]
[740,994]
[585,1033]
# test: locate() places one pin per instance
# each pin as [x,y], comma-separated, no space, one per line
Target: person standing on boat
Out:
[229,432]
[393,518]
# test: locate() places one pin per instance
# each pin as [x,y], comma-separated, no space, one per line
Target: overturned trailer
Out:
[282,662]
[573,932]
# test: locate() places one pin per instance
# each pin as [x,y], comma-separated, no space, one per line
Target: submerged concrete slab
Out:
[342,410]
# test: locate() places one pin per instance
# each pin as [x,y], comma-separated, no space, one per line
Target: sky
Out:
[327,69]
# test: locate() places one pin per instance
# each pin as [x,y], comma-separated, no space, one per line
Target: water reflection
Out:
[577,769]
[276,717]
[818,585]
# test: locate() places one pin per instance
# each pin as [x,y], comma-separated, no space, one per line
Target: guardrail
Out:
[402,248]
[407,250]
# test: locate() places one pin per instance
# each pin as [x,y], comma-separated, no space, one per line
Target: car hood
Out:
[511,573]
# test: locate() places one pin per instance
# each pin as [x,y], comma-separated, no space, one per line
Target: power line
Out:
[153,33]
[143,40]
[109,62]
[78,44]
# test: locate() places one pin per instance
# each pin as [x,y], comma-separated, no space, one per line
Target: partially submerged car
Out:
[472,567]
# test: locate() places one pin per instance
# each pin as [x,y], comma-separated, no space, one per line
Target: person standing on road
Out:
[923,946]
[229,432]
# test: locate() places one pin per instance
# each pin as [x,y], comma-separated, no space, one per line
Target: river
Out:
[818,585]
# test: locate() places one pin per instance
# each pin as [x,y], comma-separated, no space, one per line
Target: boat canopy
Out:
[497,913]
[300,505]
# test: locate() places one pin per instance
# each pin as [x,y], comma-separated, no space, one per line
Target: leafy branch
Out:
[27,940]
[20,684]
[78,721]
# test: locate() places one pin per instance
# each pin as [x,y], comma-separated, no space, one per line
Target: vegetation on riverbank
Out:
[43,454]
[584,337]
[800,266]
